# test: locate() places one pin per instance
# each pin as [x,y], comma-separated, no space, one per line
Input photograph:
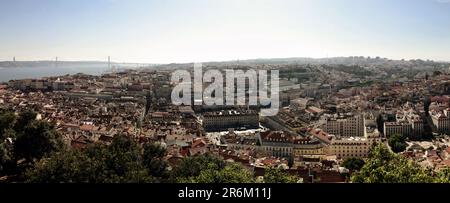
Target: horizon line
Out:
[226,60]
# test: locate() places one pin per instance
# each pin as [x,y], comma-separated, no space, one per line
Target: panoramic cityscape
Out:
[251,100]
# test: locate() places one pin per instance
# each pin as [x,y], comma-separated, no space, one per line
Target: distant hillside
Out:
[356,60]
[333,60]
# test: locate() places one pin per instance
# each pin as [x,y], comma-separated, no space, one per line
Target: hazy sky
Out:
[162,31]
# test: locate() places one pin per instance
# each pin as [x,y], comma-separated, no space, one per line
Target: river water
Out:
[15,73]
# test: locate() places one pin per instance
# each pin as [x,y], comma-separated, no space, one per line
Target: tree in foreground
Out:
[231,173]
[7,121]
[275,175]
[210,169]
[23,139]
[192,166]
[37,139]
[383,166]
[119,162]
[443,176]
[24,119]
[5,156]
[353,164]
[397,142]
[153,160]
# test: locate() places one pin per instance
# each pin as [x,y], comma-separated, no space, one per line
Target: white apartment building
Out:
[354,147]
[441,120]
[407,123]
[345,148]
[345,125]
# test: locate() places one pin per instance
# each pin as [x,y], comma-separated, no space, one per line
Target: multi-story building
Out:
[239,142]
[417,126]
[392,128]
[278,143]
[41,84]
[352,147]
[300,148]
[408,123]
[308,150]
[441,120]
[345,125]
[62,85]
[224,120]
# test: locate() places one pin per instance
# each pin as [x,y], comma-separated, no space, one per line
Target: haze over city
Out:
[167,31]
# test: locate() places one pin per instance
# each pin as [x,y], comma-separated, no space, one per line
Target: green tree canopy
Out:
[192,166]
[210,169]
[273,175]
[353,164]
[37,139]
[383,166]
[443,176]
[231,173]
[5,156]
[7,121]
[153,160]
[25,118]
[118,163]
[397,142]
